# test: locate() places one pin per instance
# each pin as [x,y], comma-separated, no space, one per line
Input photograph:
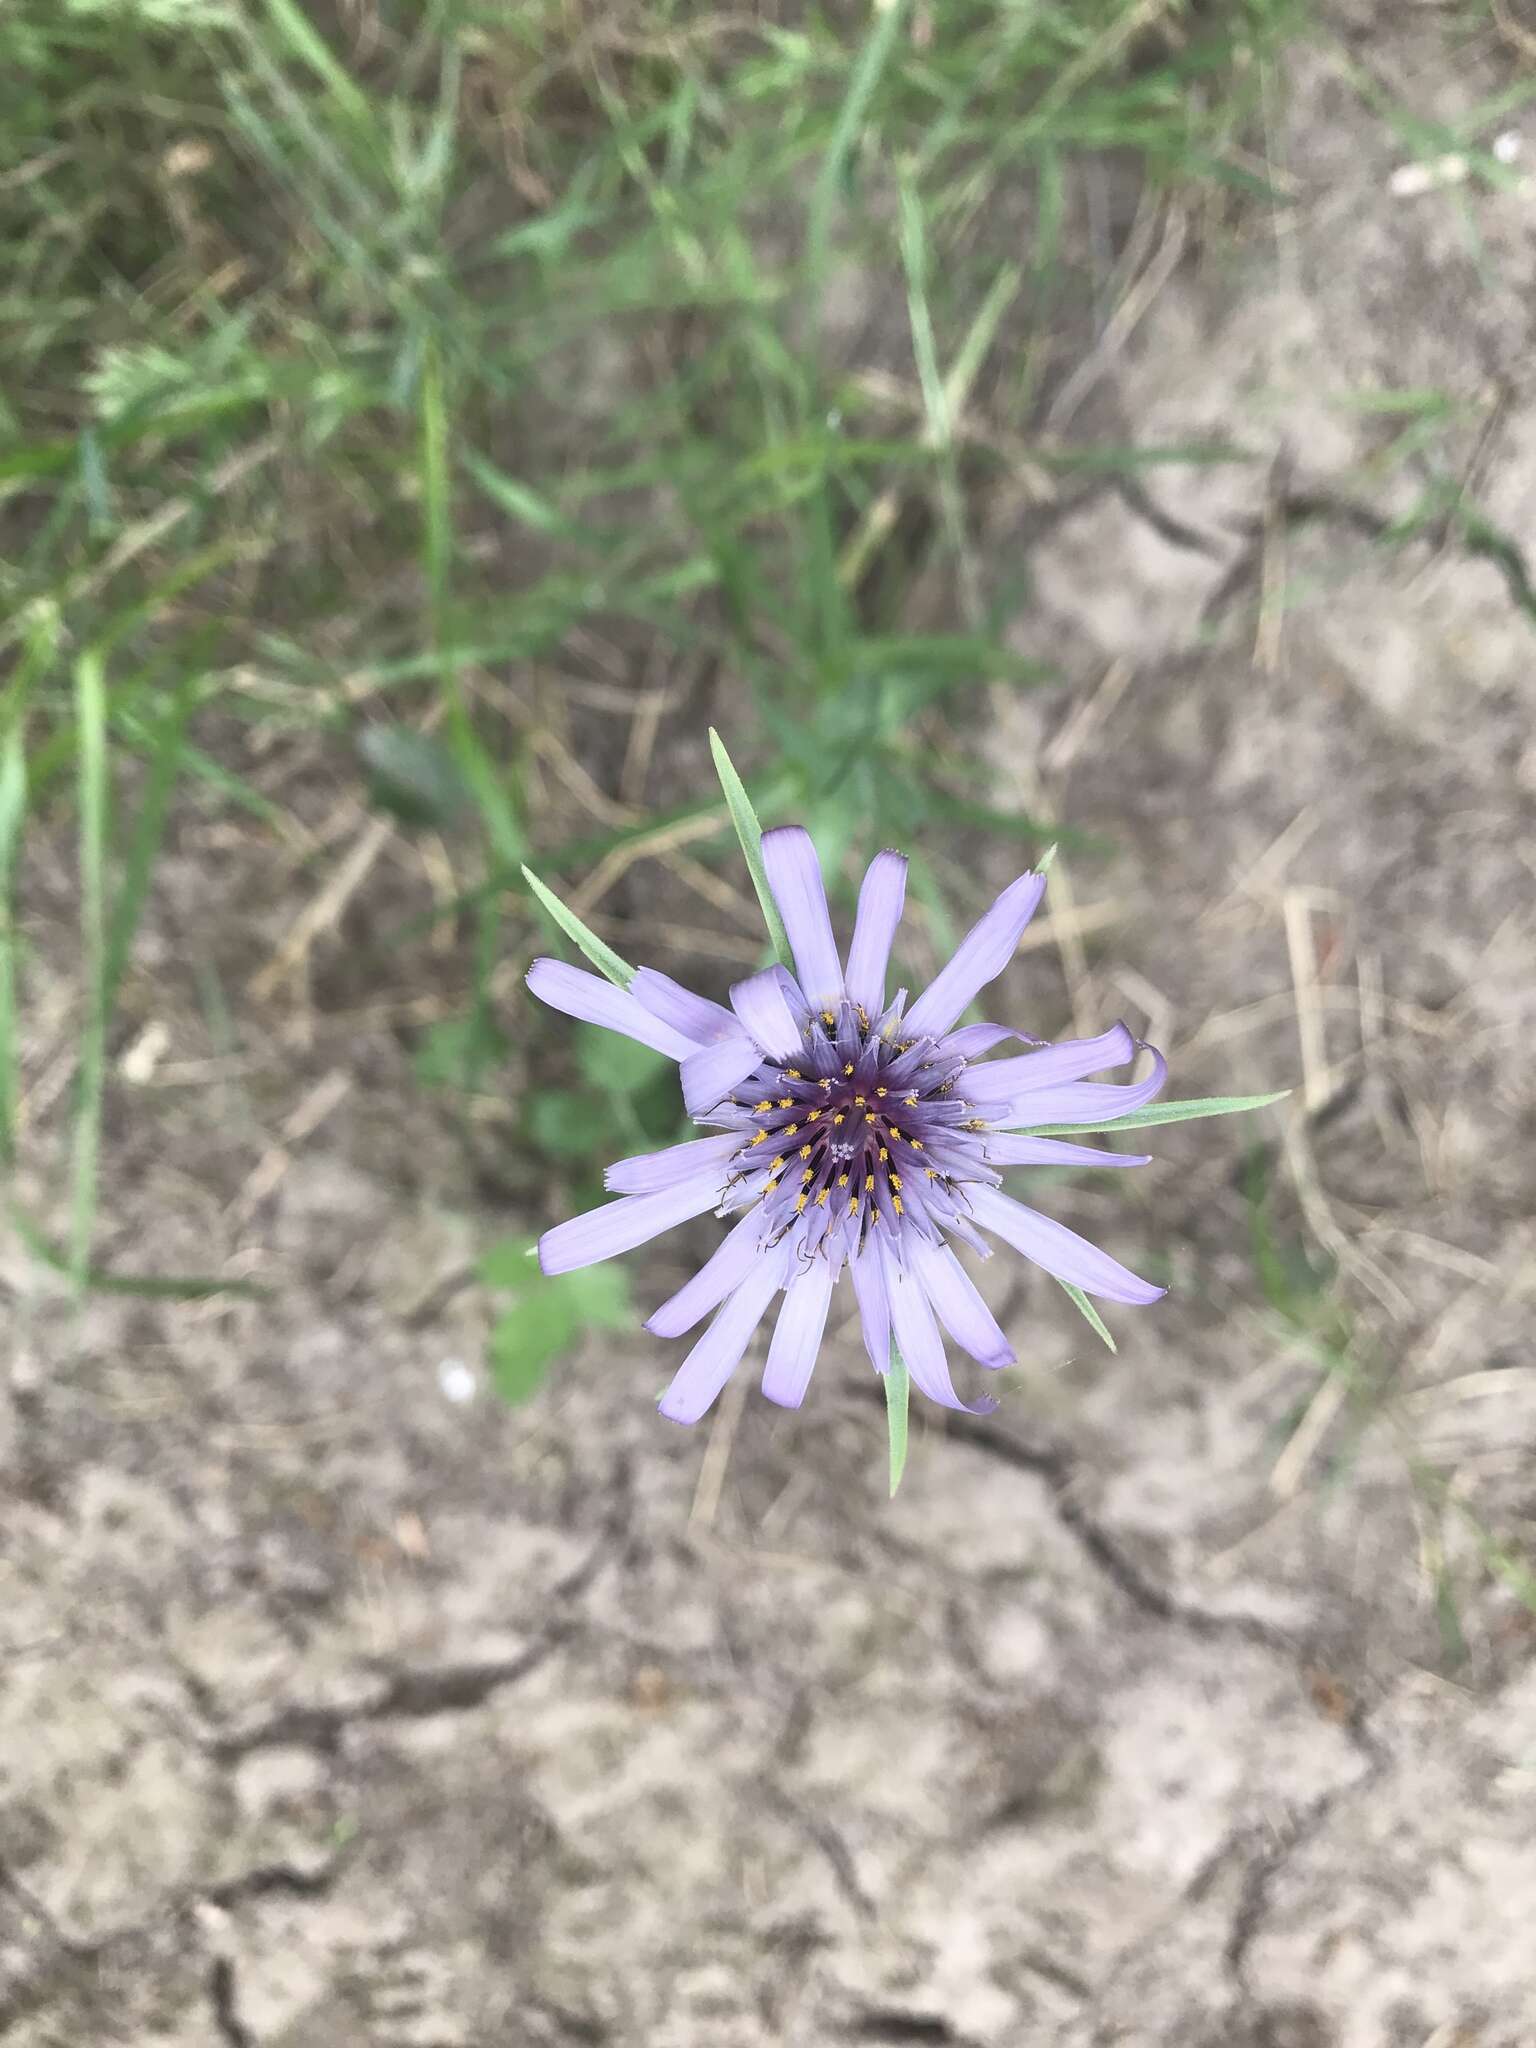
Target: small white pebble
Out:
[1411,181]
[458,1381]
[1507,147]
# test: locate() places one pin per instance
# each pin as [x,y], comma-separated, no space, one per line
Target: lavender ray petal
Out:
[794,875]
[696,1017]
[760,1003]
[971,1040]
[1004,1150]
[1008,1081]
[880,905]
[874,1307]
[711,1073]
[1090,1103]
[620,1226]
[960,1307]
[979,958]
[919,1342]
[596,1001]
[717,1353]
[797,1335]
[1060,1251]
[649,1173]
[726,1267]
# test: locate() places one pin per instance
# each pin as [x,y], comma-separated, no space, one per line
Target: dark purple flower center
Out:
[861,1126]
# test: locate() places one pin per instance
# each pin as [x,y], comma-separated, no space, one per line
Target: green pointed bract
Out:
[750,833]
[603,958]
[1087,1311]
[898,1388]
[1162,1113]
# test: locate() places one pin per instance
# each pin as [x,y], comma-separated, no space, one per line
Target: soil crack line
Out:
[408,1694]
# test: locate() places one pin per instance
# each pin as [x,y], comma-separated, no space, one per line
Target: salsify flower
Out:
[851,1133]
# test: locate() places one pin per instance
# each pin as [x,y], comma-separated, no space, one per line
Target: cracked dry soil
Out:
[332,1713]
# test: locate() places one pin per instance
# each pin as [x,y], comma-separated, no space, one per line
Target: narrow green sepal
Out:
[750,833]
[603,958]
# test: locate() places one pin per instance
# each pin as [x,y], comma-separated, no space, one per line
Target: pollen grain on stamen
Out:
[760,1138]
[821,1199]
[805,1151]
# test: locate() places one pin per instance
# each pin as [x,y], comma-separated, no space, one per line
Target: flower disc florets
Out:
[863,1126]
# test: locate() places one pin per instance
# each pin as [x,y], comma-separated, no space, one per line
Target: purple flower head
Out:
[850,1132]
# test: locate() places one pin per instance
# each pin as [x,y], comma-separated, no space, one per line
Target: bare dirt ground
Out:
[333,1712]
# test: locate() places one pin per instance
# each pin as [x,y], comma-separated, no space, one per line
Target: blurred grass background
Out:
[390,389]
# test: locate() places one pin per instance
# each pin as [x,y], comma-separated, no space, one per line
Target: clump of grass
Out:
[365,359]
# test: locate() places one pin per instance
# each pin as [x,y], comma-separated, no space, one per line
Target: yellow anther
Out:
[910,1101]
[842,1180]
[761,1108]
[826,1080]
[869,1185]
[809,1174]
[894,1132]
[805,1151]
[800,1205]
[822,1197]
[916,1144]
[815,1113]
[761,1138]
[786,1102]
[839,1119]
[858,1102]
[884,1152]
[849,1068]
[777,1165]
[828,1019]
[931,1172]
[882,1091]
[896,1204]
[794,1073]
[895,1180]
[770,1183]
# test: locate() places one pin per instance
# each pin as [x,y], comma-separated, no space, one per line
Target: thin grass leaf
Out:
[144,846]
[831,179]
[1086,1310]
[603,958]
[147,1286]
[306,43]
[13,806]
[1163,1113]
[91,723]
[750,833]
[503,829]
[898,1389]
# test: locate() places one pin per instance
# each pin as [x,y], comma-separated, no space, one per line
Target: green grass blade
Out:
[148,829]
[147,1286]
[603,958]
[91,722]
[1163,1113]
[13,806]
[1086,1310]
[750,833]
[898,1389]
[307,44]
[863,83]
[503,829]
